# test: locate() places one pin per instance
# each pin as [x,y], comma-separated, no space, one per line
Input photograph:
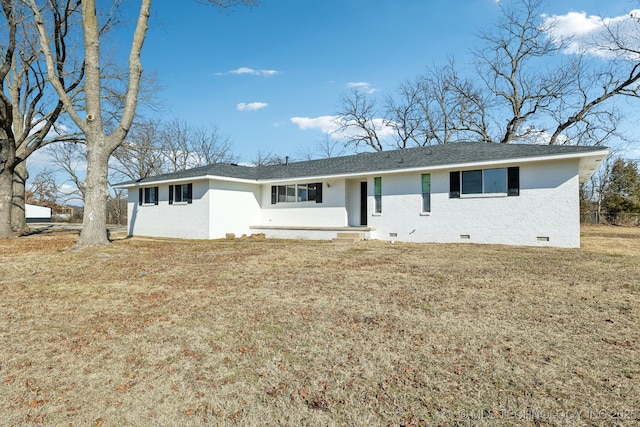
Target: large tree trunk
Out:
[18,217]
[94,220]
[6,182]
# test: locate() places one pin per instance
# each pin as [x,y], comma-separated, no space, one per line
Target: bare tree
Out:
[117,207]
[510,63]
[268,159]
[358,121]
[209,146]
[568,103]
[325,148]
[185,146]
[526,88]
[43,189]
[27,115]
[141,154]
[176,137]
[71,159]
[406,115]
[439,107]
[99,144]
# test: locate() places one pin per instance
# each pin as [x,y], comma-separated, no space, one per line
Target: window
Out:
[485,181]
[377,195]
[148,196]
[296,193]
[495,181]
[426,192]
[181,193]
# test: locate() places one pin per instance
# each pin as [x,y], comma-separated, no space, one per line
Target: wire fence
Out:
[618,218]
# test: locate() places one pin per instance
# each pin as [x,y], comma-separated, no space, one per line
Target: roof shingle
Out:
[435,155]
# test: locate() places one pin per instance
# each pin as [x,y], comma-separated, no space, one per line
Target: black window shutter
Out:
[454,185]
[157,195]
[171,194]
[319,192]
[513,181]
[140,196]
[274,194]
[189,193]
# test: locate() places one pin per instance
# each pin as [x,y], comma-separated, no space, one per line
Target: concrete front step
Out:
[351,235]
[348,237]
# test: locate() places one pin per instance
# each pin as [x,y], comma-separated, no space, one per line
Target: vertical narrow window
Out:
[291,193]
[140,196]
[171,194]
[274,194]
[282,193]
[454,185]
[302,192]
[149,196]
[513,180]
[311,192]
[189,193]
[318,192]
[184,193]
[377,195]
[426,192]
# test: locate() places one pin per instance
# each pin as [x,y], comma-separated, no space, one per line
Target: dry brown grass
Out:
[311,333]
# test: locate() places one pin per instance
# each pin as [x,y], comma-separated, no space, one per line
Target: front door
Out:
[363,203]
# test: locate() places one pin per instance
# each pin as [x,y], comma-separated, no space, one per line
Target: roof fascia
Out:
[188,179]
[465,165]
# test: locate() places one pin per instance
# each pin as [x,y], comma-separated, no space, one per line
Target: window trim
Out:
[512,183]
[179,190]
[144,193]
[377,195]
[426,195]
[312,190]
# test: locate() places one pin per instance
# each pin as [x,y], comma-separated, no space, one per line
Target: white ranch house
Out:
[464,192]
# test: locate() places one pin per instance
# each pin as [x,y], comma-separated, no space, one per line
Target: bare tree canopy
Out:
[154,147]
[358,121]
[28,114]
[529,84]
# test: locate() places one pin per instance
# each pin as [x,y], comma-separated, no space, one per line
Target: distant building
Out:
[35,213]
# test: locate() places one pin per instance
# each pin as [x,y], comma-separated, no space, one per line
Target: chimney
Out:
[286,160]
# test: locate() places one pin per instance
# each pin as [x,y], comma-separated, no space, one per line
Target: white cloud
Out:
[632,153]
[589,34]
[331,125]
[251,106]
[325,124]
[364,86]
[67,189]
[251,72]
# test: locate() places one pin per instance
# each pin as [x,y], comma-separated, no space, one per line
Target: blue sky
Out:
[266,76]
[271,77]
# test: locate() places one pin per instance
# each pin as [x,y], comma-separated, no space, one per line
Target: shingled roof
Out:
[410,158]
